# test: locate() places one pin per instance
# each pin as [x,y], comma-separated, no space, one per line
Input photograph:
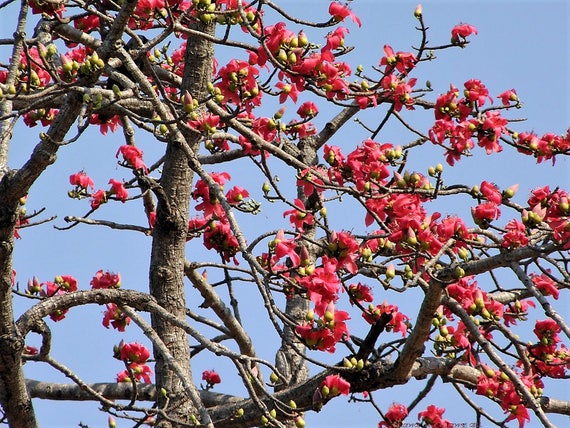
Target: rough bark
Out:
[169,240]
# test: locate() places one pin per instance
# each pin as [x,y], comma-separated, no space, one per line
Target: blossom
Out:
[308,110]
[220,237]
[116,317]
[460,32]
[211,377]
[360,293]
[106,280]
[139,372]
[394,416]
[334,385]
[118,188]
[133,157]
[508,96]
[134,353]
[285,247]
[82,180]
[546,285]
[515,236]
[491,192]
[98,198]
[299,216]
[51,289]
[66,282]
[475,91]
[401,61]
[236,195]
[398,322]
[287,91]
[340,12]
[484,213]
[433,416]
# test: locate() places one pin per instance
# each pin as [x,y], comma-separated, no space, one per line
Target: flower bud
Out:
[418,11]
[300,422]
[390,272]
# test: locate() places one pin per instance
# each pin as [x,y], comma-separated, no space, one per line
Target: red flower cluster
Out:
[552,208]
[62,284]
[453,126]
[543,148]
[549,356]
[135,356]
[106,280]
[116,317]
[497,385]
[214,224]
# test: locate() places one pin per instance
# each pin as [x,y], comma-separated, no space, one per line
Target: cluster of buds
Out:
[92,63]
[205,10]
[353,363]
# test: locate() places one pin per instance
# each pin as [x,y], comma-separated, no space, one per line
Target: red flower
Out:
[518,412]
[360,293]
[285,247]
[82,180]
[334,385]
[66,282]
[515,236]
[491,192]
[139,371]
[490,131]
[508,96]
[475,91]
[106,280]
[299,216]
[134,353]
[398,322]
[98,198]
[339,12]
[401,61]
[133,157]
[308,110]
[118,188]
[236,195]
[287,90]
[433,416]
[394,416]
[460,32]
[219,236]
[211,377]
[547,331]
[52,289]
[116,317]
[546,285]
[483,214]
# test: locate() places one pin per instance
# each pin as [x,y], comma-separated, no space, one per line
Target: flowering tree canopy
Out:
[282,254]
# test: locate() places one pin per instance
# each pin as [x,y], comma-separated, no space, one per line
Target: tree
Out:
[321,285]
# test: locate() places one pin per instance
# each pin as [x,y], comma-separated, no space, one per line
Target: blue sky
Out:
[521,45]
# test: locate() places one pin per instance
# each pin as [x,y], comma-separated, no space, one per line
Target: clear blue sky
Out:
[521,44]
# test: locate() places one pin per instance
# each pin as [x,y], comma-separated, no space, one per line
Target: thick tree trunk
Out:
[169,241]
[15,401]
